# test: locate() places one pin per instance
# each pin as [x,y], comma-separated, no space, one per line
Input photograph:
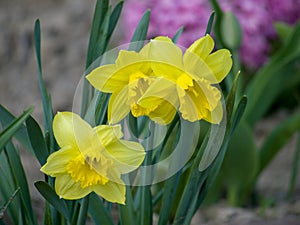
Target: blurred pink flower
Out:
[256,18]
[167,16]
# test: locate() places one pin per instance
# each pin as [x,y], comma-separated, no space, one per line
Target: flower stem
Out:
[145,197]
[83,211]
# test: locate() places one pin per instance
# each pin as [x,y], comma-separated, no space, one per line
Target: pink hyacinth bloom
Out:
[255,16]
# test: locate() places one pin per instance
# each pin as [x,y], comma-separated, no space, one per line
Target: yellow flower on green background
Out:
[127,80]
[158,80]
[194,73]
[91,159]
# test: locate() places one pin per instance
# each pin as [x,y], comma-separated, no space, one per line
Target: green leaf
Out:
[177,34]
[210,23]
[219,17]
[83,211]
[127,212]
[277,139]
[240,165]
[9,201]
[37,140]
[20,180]
[169,192]
[140,34]
[239,113]
[101,109]
[6,187]
[6,118]
[200,182]
[98,212]
[100,13]
[115,15]
[281,73]
[102,39]
[145,212]
[231,31]
[295,168]
[49,194]
[283,30]
[230,100]
[46,99]
[9,131]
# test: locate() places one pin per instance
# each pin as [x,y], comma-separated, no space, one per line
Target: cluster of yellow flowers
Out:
[159,79]
[156,82]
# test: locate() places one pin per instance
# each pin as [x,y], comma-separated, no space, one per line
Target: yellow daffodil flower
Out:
[90,159]
[159,79]
[194,75]
[127,80]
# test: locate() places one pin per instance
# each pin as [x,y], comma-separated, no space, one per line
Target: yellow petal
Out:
[160,101]
[160,90]
[118,106]
[70,130]
[220,63]
[67,188]
[128,58]
[202,47]
[111,191]
[108,134]
[197,68]
[198,101]
[106,79]
[163,114]
[163,50]
[128,155]
[57,161]
[216,115]
[187,106]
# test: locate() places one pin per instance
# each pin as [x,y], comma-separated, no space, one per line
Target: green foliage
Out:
[37,140]
[231,31]
[46,99]
[244,162]
[98,212]
[49,194]
[140,34]
[9,131]
[6,118]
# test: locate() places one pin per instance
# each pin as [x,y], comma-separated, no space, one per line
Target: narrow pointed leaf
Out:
[140,33]
[6,118]
[277,139]
[177,34]
[9,131]
[9,201]
[115,15]
[20,180]
[127,212]
[100,11]
[99,14]
[239,113]
[47,105]
[230,100]
[98,212]
[37,140]
[49,194]
[210,23]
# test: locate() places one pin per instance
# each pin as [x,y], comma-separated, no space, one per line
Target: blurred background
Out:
[65,26]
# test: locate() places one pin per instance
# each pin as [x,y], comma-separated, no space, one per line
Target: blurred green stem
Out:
[83,211]
[86,97]
[145,197]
